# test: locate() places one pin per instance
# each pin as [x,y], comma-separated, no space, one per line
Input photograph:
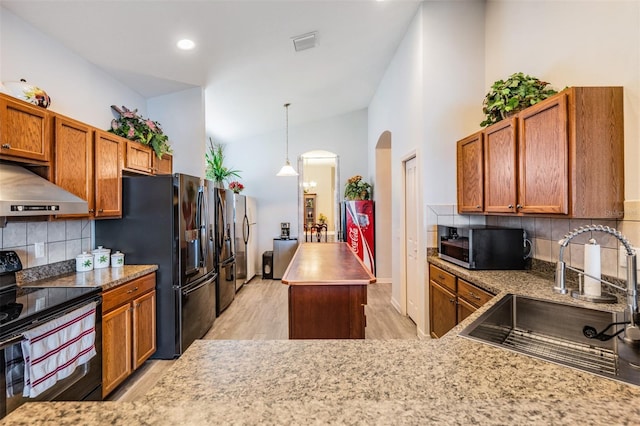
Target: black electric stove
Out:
[22,306]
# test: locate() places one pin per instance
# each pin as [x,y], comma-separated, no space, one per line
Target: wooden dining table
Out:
[327,292]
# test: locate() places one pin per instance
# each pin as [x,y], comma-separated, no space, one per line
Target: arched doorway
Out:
[382,196]
[319,179]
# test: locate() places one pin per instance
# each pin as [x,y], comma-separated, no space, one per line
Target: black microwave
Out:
[482,247]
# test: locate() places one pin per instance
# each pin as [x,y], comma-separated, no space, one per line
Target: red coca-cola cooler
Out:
[358,228]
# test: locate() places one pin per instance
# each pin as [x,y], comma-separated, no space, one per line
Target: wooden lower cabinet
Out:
[128,329]
[327,311]
[451,300]
[442,310]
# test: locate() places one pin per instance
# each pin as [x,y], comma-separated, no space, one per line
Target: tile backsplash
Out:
[544,234]
[62,240]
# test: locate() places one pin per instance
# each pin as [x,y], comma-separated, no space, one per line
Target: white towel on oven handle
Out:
[53,350]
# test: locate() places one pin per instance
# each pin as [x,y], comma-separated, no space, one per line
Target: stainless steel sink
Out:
[555,332]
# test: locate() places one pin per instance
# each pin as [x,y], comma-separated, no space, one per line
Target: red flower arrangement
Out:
[236,186]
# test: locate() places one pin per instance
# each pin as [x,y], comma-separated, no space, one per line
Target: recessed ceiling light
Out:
[186,44]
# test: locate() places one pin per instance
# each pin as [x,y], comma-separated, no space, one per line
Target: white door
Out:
[411,237]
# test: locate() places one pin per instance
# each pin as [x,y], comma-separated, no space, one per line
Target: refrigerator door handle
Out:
[202,284]
[202,230]
[245,229]
[220,225]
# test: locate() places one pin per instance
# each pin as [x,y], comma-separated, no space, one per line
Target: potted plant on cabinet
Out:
[216,170]
[517,92]
[357,189]
[132,126]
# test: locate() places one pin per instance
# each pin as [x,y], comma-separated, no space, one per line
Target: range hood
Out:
[24,193]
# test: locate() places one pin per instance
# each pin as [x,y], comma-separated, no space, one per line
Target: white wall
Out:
[427,100]
[582,43]
[77,88]
[182,117]
[261,157]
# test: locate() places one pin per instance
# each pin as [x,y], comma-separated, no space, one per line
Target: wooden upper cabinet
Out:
[25,132]
[164,165]
[470,171]
[73,158]
[500,165]
[563,156]
[108,163]
[138,158]
[596,152]
[543,144]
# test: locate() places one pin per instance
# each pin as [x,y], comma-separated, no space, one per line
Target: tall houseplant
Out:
[517,92]
[134,127]
[216,170]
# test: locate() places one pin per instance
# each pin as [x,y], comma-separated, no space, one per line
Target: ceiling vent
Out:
[305,41]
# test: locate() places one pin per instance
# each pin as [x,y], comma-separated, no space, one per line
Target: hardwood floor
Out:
[260,312]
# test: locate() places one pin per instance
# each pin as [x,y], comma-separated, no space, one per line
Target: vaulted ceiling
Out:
[244,55]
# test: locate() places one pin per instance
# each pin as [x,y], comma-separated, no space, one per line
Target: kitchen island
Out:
[327,292]
[451,380]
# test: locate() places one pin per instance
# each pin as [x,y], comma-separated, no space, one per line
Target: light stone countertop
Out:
[452,380]
[103,277]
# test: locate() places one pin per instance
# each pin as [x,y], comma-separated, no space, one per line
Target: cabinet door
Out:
[543,146]
[73,158]
[470,174]
[24,130]
[108,161]
[164,165]
[500,190]
[442,310]
[144,328]
[464,309]
[116,347]
[138,158]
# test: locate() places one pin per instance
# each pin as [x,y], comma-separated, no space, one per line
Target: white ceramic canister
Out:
[84,262]
[101,257]
[117,260]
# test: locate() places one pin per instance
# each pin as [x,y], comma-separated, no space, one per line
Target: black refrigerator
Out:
[225,258]
[170,221]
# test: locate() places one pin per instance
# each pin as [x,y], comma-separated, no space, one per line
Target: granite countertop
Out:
[452,380]
[103,277]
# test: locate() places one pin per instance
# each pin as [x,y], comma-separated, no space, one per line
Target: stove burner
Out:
[10,311]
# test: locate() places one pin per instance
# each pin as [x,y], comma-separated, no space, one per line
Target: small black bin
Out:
[267,265]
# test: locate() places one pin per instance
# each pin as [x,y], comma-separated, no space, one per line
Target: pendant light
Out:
[287,170]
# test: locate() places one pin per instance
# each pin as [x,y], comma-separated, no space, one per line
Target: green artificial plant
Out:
[216,170]
[517,92]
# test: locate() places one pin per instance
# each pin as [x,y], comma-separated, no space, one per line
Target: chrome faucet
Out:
[632,331]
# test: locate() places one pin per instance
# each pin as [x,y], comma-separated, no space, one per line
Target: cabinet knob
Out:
[478,207]
[6,146]
[510,206]
[452,300]
[518,206]
[131,291]
[91,210]
[100,210]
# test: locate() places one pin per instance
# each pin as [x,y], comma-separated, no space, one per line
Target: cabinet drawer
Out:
[443,278]
[127,292]
[472,294]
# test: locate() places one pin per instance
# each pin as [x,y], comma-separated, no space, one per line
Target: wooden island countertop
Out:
[327,292]
[326,263]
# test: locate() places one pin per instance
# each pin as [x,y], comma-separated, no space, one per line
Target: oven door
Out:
[198,309]
[84,384]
